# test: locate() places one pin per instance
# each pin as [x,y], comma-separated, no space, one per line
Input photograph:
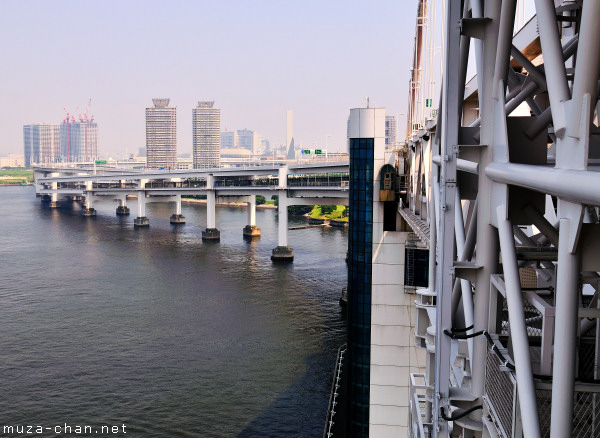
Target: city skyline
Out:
[300,57]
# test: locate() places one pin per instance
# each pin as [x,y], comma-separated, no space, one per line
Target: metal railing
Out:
[501,402]
[335,387]
[419,413]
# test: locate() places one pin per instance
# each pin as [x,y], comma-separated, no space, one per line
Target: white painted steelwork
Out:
[507,175]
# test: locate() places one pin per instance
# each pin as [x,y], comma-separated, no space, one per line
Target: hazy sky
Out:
[255,58]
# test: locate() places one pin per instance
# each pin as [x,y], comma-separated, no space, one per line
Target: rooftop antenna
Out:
[367,99]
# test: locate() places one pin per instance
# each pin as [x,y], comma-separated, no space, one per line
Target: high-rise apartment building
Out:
[161,135]
[41,143]
[78,141]
[206,130]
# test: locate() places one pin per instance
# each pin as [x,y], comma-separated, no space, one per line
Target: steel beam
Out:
[450,123]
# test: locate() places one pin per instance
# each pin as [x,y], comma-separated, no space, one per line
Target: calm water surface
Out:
[105,324]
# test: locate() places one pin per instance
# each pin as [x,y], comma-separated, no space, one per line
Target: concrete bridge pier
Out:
[53,200]
[211,233]
[283,252]
[122,209]
[251,230]
[54,196]
[141,220]
[177,218]
[89,210]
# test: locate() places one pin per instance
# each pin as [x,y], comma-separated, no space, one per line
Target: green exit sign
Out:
[318,151]
[100,161]
[306,151]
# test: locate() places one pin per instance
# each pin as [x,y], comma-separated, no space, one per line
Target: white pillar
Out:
[210,209]
[54,195]
[89,201]
[252,210]
[178,205]
[141,203]
[283,218]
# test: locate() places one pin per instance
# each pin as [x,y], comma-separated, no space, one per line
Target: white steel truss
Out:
[507,174]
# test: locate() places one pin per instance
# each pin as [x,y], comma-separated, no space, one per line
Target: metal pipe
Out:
[565,335]
[541,122]
[505,33]
[542,224]
[464,165]
[522,237]
[477,12]
[467,254]
[432,231]
[534,73]
[578,186]
[533,106]
[518,331]
[554,66]
[465,285]
[588,67]
[526,92]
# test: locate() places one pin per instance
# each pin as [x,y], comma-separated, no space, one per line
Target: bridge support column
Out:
[211,233]
[54,196]
[283,252]
[122,209]
[251,230]
[53,200]
[177,218]
[141,220]
[89,210]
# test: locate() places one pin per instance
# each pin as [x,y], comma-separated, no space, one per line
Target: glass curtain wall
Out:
[360,239]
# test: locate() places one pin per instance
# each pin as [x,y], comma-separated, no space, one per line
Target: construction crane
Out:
[84,117]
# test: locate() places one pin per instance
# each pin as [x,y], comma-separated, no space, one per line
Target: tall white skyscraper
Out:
[206,130]
[161,135]
[41,143]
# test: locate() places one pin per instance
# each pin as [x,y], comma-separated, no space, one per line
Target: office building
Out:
[161,135]
[41,143]
[206,131]
[249,140]
[229,140]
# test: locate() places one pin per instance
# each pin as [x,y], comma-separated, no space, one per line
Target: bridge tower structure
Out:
[506,174]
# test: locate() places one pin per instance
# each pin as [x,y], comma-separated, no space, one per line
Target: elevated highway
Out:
[310,184]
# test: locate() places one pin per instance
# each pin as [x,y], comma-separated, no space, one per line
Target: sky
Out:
[254,58]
